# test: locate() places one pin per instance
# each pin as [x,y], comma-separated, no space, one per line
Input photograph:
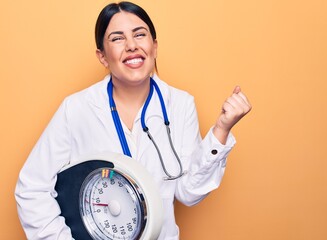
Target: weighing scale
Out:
[109,196]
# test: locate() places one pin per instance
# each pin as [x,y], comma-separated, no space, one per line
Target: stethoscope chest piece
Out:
[108,197]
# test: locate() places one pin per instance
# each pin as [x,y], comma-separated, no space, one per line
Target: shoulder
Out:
[180,105]
[172,94]
[96,94]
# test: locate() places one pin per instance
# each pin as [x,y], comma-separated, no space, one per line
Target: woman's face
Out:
[129,50]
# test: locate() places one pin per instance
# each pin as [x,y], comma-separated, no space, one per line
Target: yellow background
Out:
[275,183]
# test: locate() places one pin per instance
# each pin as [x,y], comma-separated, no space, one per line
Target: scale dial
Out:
[110,196]
[112,206]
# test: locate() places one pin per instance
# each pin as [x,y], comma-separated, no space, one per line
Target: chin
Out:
[139,78]
[133,77]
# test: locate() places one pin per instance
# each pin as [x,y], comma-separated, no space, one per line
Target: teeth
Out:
[134,61]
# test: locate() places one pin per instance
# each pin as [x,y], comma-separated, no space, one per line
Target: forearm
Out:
[38,211]
[206,167]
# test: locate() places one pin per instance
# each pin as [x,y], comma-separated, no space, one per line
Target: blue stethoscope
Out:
[120,131]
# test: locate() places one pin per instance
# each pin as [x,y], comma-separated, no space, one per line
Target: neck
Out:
[129,98]
[131,95]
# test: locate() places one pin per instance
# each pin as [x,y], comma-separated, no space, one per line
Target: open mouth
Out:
[134,61]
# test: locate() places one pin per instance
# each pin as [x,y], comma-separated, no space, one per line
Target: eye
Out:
[117,39]
[139,35]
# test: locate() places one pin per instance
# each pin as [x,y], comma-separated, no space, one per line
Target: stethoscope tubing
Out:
[117,122]
[120,131]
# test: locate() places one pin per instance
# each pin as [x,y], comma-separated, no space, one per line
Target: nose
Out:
[131,45]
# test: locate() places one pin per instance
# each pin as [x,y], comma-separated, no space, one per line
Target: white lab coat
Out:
[83,126]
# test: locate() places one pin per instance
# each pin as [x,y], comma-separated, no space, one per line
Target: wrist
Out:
[221,134]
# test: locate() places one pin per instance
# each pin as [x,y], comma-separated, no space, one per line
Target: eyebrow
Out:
[133,30]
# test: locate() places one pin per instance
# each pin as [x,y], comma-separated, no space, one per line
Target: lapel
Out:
[98,99]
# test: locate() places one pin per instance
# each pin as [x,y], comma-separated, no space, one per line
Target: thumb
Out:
[237,89]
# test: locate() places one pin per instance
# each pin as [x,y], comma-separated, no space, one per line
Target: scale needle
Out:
[101,204]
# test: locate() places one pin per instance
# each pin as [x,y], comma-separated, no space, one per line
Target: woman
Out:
[127,46]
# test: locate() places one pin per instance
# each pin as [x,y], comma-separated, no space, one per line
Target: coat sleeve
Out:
[37,207]
[204,159]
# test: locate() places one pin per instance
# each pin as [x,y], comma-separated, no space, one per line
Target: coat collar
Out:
[98,97]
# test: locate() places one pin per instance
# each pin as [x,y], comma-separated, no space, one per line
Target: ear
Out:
[102,58]
[155,46]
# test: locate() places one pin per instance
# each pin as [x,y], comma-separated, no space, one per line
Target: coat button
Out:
[214,151]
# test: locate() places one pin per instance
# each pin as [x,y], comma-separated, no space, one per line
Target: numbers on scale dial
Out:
[113,209]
